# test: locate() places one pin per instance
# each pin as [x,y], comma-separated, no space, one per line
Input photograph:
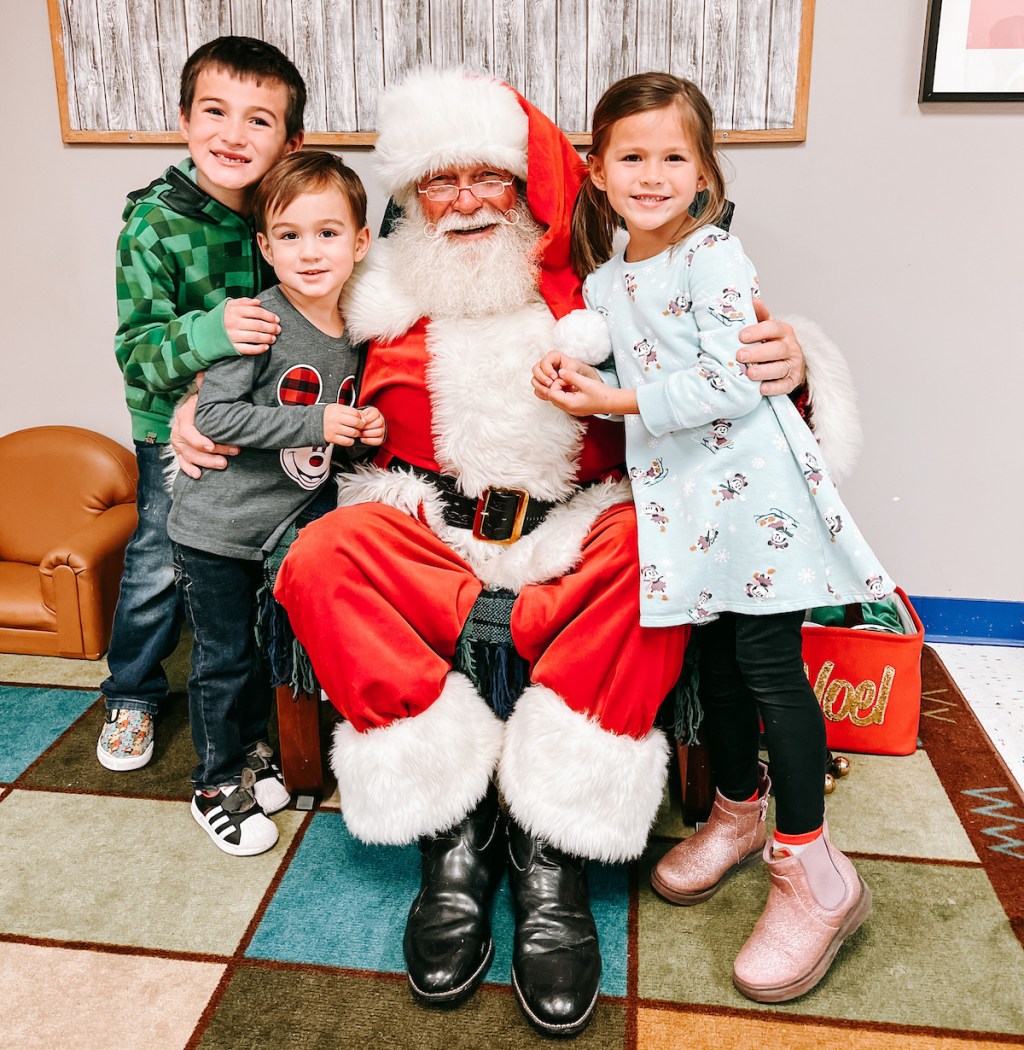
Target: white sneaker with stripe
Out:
[233,819]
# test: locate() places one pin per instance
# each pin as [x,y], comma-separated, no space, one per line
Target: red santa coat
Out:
[577,761]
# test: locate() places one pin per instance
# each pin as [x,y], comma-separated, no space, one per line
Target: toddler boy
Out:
[286,409]
[187,267]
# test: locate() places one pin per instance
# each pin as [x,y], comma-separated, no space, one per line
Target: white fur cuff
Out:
[419,775]
[589,792]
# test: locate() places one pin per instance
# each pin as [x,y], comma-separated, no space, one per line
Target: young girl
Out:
[740,527]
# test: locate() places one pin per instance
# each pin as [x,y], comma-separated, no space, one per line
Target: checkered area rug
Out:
[121,926]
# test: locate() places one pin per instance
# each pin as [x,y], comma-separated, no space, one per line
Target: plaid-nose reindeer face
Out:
[308,467]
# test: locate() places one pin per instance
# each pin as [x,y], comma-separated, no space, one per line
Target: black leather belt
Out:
[500,515]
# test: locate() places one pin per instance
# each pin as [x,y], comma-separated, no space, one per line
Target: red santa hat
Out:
[437,119]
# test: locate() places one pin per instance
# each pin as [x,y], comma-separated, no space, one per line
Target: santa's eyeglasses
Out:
[446,192]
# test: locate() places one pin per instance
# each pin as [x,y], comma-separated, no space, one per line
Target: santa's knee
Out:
[567,778]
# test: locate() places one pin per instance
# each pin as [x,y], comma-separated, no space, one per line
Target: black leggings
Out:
[751,667]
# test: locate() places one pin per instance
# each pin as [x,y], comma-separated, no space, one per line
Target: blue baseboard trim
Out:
[970,621]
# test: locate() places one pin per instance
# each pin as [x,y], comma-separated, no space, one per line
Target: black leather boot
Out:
[556,960]
[448,943]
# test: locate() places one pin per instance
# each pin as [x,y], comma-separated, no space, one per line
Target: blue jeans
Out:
[229,692]
[147,620]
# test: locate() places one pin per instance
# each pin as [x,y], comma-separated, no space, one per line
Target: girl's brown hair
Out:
[307,171]
[594,221]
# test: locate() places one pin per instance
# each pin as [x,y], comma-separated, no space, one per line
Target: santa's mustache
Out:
[487,216]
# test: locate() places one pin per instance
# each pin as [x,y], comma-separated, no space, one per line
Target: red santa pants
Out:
[379,601]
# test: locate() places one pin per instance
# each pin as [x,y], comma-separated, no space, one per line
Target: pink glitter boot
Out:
[732,838]
[801,928]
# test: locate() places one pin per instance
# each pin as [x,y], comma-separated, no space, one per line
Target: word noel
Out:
[857,703]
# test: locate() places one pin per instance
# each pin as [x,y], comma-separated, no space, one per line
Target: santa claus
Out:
[482,490]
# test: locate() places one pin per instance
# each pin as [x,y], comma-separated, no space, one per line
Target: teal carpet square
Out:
[31,720]
[343,903]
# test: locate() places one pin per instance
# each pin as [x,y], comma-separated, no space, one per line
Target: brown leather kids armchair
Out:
[67,511]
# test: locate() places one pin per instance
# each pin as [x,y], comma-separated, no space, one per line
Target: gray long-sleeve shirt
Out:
[272,405]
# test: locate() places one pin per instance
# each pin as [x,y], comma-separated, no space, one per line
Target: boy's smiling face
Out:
[235,133]
[313,243]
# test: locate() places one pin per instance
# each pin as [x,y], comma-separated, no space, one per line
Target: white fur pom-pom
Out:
[583,334]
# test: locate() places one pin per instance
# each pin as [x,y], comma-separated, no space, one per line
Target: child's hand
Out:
[341,425]
[374,428]
[582,392]
[547,370]
[250,328]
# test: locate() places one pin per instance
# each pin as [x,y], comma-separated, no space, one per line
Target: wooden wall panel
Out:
[118,62]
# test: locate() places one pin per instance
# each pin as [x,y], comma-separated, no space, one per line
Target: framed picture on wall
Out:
[973,51]
[117,62]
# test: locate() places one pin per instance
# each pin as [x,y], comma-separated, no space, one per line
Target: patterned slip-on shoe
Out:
[126,740]
[269,789]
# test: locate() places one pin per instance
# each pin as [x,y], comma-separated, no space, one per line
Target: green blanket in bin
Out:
[882,616]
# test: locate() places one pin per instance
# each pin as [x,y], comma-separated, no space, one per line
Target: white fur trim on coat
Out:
[589,792]
[583,334]
[437,119]
[419,775]
[373,302]
[833,398]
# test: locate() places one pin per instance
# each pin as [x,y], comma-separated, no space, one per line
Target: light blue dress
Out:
[735,506]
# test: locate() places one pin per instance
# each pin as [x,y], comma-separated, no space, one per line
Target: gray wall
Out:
[895,227]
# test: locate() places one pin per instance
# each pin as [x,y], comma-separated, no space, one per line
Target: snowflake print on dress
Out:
[782,527]
[761,588]
[748,507]
[718,436]
[650,475]
[653,582]
[705,539]
[730,488]
[656,513]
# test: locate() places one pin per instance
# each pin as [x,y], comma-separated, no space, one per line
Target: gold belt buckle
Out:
[482,510]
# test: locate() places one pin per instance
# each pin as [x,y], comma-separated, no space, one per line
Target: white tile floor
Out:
[991,677]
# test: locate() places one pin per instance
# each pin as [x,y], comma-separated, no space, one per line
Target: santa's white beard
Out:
[448,276]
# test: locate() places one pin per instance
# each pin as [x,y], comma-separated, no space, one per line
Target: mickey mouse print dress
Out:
[735,506]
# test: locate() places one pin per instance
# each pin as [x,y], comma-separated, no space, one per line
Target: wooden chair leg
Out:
[695,782]
[298,725]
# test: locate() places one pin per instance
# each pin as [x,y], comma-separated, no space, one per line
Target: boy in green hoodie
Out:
[187,269]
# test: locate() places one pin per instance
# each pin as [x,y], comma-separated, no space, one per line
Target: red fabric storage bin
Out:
[868,683]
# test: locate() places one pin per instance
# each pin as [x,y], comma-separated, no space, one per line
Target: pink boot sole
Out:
[852,922]
[663,889]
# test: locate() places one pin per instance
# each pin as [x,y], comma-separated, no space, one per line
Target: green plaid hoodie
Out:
[180,257]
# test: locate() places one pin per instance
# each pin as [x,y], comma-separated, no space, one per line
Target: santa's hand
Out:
[374,426]
[250,328]
[195,451]
[341,425]
[775,358]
